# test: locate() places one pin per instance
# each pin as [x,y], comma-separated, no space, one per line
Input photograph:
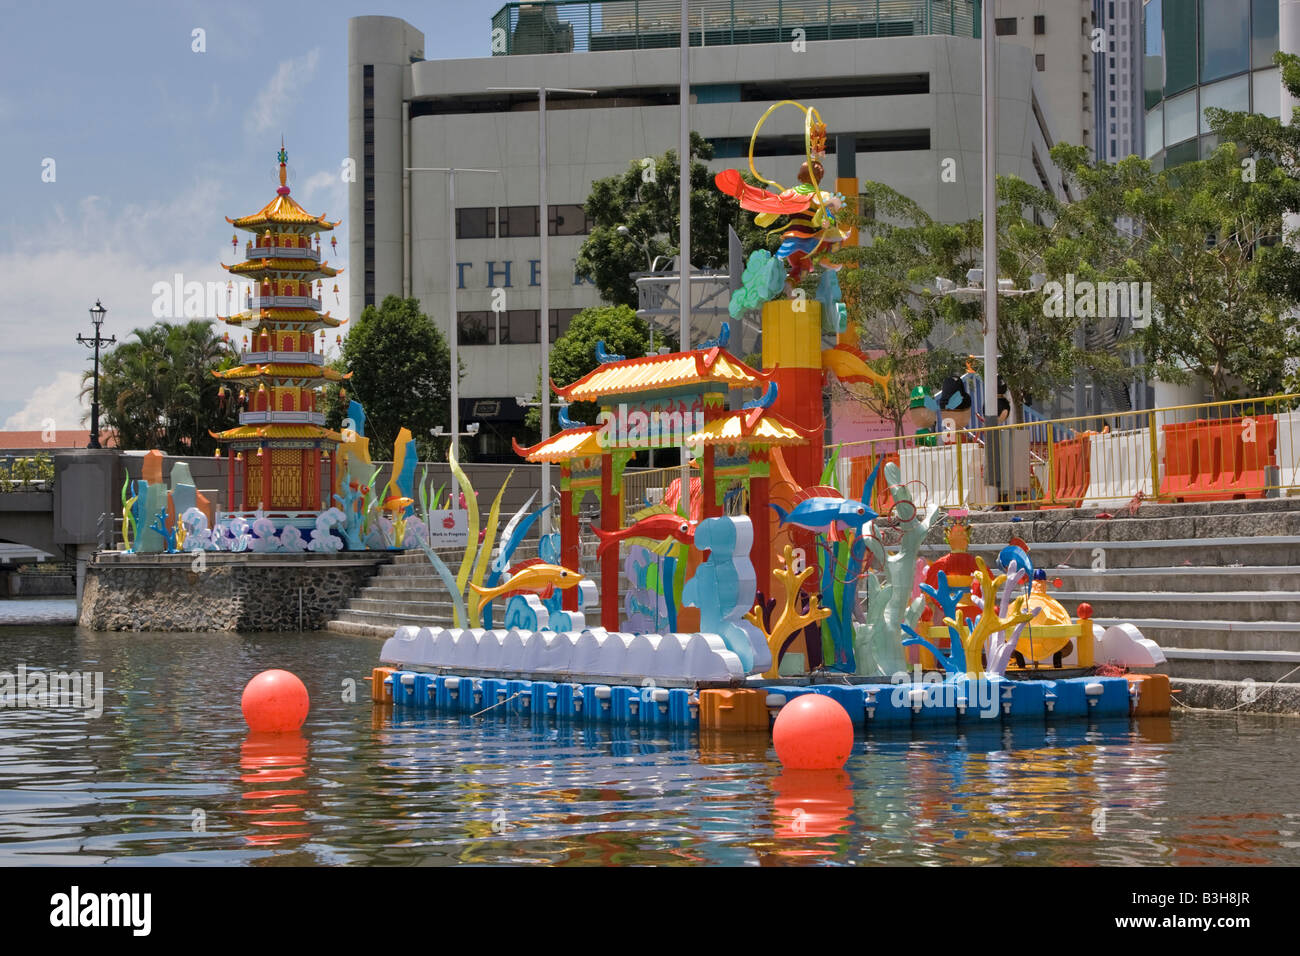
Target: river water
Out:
[168,773]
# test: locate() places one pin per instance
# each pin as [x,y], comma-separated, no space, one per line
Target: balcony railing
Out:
[285,358]
[282,418]
[583,26]
[284,302]
[280,252]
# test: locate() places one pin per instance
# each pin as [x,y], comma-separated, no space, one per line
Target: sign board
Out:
[449,529]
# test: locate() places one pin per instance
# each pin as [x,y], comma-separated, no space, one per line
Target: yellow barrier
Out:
[646,487]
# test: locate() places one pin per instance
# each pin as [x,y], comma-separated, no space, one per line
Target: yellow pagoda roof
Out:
[751,426]
[276,431]
[283,370]
[654,372]
[282,211]
[285,315]
[579,442]
[281,265]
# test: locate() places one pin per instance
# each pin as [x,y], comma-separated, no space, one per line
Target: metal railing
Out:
[1245,448]
[582,26]
[645,487]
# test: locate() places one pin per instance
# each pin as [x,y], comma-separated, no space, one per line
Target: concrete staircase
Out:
[1216,584]
[409,591]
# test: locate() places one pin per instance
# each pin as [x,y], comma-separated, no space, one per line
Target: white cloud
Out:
[272,104]
[57,401]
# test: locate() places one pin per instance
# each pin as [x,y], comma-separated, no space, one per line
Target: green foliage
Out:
[27,474]
[901,249]
[400,366]
[159,391]
[650,212]
[574,353]
[1203,235]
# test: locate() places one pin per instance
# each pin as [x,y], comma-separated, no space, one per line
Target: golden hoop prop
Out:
[811,117]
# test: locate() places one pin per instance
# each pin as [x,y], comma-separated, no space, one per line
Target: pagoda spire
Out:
[283,156]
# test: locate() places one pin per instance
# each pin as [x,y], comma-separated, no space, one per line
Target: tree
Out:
[1274,167]
[902,249]
[645,200]
[158,391]
[400,367]
[1218,303]
[574,353]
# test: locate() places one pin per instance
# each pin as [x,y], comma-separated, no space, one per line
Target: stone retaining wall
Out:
[225,592]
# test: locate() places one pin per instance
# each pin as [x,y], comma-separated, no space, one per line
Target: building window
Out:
[1040,25]
[519,327]
[560,319]
[478,222]
[1005,26]
[1263,32]
[568,221]
[1040,61]
[476,328]
[1225,38]
[517,221]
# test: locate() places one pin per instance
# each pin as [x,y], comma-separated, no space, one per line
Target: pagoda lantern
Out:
[281,440]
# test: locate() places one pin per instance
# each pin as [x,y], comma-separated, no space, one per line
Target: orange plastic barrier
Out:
[1152,697]
[1219,460]
[380,692]
[881,499]
[1072,468]
[733,710]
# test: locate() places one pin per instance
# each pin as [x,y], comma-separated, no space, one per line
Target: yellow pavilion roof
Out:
[580,442]
[310,316]
[273,431]
[751,426]
[282,370]
[654,372]
[281,265]
[282,211]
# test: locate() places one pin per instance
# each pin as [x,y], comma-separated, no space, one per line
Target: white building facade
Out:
[899,85]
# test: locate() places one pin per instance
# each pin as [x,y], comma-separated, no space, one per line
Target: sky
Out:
[122,149]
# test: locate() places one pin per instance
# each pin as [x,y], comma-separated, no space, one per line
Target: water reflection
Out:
[268,760]
[370,785]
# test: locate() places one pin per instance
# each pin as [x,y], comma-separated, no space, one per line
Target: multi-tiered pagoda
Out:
[281,455]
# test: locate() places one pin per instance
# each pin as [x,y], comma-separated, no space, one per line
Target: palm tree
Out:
[158,391]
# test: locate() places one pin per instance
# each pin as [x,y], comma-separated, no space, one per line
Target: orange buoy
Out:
[275,702]
[813,732]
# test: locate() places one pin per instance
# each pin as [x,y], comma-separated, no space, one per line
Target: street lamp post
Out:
[453,330]
[544,234]
[97,317]
[684,214]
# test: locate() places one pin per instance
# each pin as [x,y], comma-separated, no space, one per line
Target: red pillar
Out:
[710,507]
[760,553]
[570,548]
[611,519]
[266,479]
[230,478]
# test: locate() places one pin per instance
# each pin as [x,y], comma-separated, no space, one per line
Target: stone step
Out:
[1214,664]
[1181,579]
[1243,606]
[1223,635]
[1262,550]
